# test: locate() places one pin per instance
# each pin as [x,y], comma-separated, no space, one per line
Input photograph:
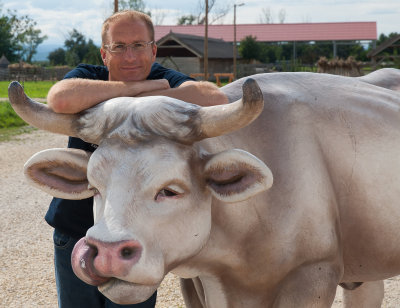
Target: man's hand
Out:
[151,85]
[201,93]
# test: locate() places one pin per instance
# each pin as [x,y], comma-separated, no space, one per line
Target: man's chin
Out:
[124,293]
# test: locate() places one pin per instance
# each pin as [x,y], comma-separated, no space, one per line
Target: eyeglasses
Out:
[122,48]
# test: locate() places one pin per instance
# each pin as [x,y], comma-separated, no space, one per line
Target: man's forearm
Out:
[199,93]
[75,95]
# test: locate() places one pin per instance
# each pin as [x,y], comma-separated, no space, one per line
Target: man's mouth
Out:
[130,68]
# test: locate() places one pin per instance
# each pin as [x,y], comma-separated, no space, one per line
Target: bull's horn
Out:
[223,119]
[40,115]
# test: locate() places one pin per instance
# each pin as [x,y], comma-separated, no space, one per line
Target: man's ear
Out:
[103,56]
[60,172]
[236,175]
[154,51]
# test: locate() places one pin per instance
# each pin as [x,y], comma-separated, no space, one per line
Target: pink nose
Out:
[95,262]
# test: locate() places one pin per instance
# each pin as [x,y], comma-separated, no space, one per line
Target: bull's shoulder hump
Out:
[317,91]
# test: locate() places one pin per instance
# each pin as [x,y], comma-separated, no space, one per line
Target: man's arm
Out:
[76,94]
[201,93]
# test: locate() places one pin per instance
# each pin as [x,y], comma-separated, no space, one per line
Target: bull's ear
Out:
[60,172]
[236,175]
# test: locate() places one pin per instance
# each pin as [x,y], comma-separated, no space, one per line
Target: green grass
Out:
[34,89]
[224,83]
[8,117]
[11,125]
[7,134]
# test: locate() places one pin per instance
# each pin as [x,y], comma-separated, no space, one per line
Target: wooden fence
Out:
[33,73]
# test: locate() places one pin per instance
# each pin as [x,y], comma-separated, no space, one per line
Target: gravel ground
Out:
[26,250]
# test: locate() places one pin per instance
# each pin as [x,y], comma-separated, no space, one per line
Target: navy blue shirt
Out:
[75,217]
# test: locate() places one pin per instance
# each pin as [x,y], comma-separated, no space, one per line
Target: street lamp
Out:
[234,39]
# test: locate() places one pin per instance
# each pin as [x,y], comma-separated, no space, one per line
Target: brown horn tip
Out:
[252,94]
[14,90]
[223,119]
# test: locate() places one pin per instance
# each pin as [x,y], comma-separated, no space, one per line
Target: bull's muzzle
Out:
[96,262]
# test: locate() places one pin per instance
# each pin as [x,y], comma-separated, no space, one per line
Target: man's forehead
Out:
[124,28]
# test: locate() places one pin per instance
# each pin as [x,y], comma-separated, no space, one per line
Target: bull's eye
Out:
[94,189]
[166,193]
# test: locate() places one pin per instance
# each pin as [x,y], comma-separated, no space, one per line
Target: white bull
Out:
[325,212]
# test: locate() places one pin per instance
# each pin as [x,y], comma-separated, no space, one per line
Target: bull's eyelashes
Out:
[171,191]
[165,193]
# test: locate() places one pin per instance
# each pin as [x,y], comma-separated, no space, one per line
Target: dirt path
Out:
[26,250]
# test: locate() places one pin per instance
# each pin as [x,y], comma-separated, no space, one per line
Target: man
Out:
[128,52]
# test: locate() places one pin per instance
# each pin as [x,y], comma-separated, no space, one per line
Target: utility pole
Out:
[205,60]
[234,40]
[115,6]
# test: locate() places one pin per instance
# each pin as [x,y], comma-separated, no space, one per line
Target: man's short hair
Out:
[130,14]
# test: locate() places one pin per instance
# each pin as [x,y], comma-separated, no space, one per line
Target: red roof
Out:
[332,31]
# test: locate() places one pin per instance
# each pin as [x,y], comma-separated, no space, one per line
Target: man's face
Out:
[131,65]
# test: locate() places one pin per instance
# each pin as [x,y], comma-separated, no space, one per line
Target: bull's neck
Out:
[218,293]
[215,297]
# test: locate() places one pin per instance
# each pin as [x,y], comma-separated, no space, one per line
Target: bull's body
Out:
[331,216]
[333,212]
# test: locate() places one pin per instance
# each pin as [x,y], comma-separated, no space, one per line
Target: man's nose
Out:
[130,53]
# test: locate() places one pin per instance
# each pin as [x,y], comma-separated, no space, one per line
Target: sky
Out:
[57,18]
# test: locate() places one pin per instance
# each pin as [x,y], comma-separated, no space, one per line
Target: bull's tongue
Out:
[82,264]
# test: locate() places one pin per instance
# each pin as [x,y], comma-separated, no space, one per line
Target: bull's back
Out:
[347,131]
[338,110]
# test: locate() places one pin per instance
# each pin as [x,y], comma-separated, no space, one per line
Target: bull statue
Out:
[184,189]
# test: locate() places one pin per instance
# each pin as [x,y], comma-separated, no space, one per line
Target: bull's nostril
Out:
[94,249]
[127,253]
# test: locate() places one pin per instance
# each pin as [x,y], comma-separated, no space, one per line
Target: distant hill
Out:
[43,51]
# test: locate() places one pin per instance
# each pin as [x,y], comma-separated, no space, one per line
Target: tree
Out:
[186,20]
[137,5]
[57,57]
[7,44]
[75,47]
[249,48]
[92,55]
[77,50]
[383,38]
[72,58]
[393,50]
[215,13]
[306,52]
[19,37]
[157,15]
[270,52]
[31,41]
[282,16]
[267,17]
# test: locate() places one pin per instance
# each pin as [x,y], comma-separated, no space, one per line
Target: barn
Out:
[181,47]
[185,53]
